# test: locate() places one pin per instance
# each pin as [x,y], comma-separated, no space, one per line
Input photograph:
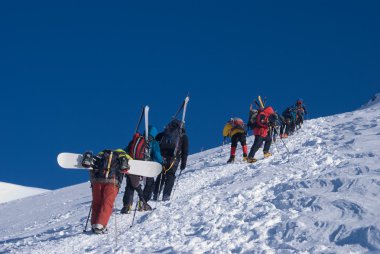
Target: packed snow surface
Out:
[9,192]
[323,197]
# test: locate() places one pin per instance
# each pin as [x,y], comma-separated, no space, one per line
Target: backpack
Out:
[287,114]
[102,162]
[274,120]
[263,116]
[171,136]
[136,148]
[252,118]
[237,123]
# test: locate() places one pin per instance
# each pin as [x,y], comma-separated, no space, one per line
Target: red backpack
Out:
[268,111]
[137,147]
[262,120]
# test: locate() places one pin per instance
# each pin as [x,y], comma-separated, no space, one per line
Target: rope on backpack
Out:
[171,165]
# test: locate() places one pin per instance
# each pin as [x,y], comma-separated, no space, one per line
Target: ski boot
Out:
[144,206]
[245,157]
[126,209]
[99,229]
[267,154]
[87,159]
[251,160]
[231,159]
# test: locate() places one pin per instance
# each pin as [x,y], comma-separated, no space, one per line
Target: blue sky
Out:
[74,75]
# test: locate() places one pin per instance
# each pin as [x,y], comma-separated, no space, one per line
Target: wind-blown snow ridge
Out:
[9,192]
[323,198]
[375,101]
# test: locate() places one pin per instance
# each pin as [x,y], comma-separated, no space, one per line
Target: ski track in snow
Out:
[322,198]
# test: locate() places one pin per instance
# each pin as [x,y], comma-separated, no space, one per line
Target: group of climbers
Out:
[170,148]
[163,152]
[292,118]
[109,167]
[264,122]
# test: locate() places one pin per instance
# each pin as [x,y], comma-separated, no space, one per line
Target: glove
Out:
[124,166]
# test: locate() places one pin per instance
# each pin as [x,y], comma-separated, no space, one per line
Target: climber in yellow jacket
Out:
[236,130]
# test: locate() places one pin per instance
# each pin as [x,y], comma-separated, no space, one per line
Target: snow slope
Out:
[9,192]
[323,198]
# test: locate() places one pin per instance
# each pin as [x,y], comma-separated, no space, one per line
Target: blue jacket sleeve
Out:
[155,152]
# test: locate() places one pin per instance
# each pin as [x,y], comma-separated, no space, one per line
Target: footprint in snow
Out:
[368,237]
[348,208]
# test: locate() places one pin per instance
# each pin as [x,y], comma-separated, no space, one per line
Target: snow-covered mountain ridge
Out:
[374,102]
[322,198]
[9,192]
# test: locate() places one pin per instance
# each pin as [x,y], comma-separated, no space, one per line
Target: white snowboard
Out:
[141,168]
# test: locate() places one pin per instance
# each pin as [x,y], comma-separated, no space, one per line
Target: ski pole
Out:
[284,145]
[134,214]
[88,217]
[175,186]
[114,186]
[277,150]
[286,149]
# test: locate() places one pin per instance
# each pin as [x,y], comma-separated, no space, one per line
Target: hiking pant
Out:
[238,137]
[287,126]
[257,144]
[292,127]
[132,185]
[103,198]
[299,120]
[165,181]
[148,189]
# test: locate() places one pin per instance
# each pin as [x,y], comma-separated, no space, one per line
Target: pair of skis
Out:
[183,107]
[260,104]
[145,114]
